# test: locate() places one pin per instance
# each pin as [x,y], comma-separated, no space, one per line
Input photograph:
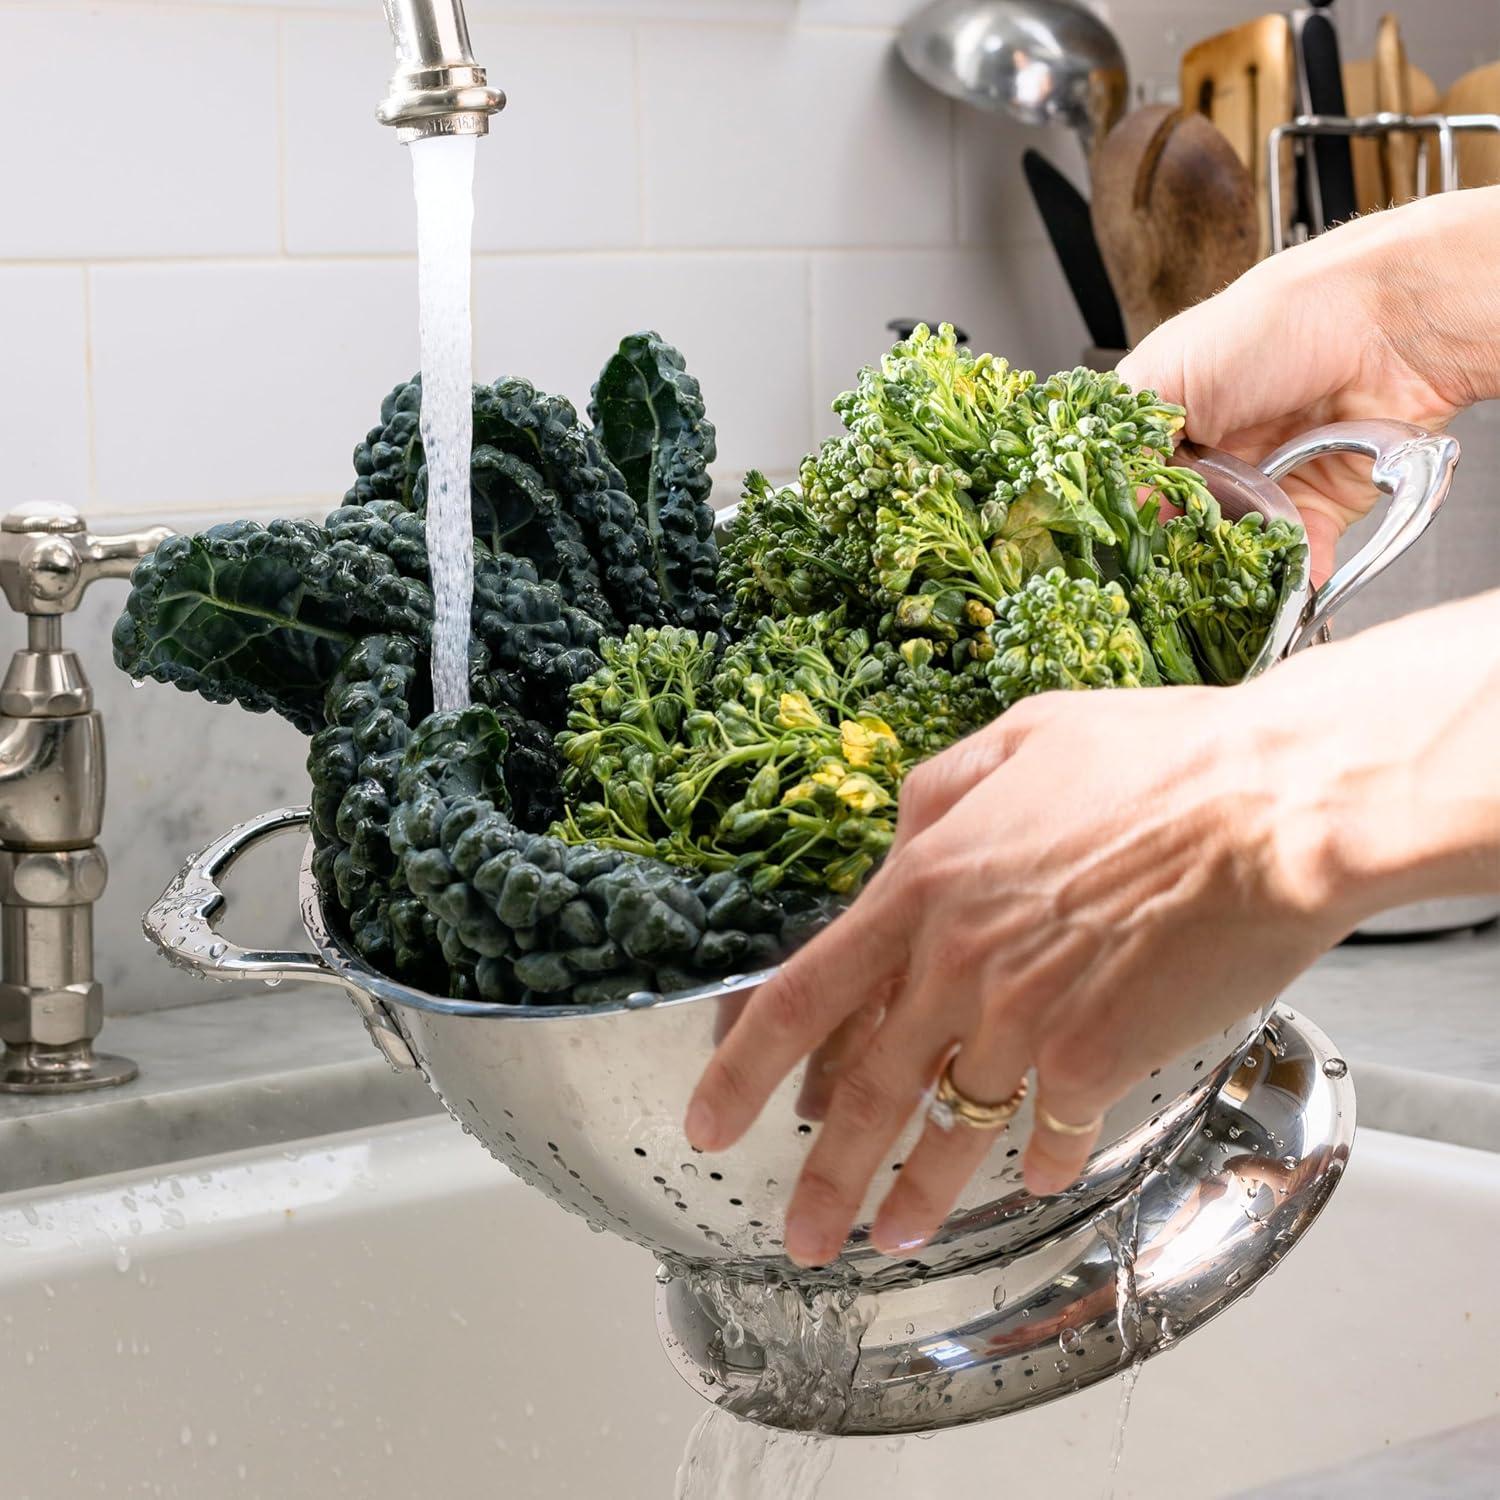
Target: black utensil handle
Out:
[1331,156]
[1065,212]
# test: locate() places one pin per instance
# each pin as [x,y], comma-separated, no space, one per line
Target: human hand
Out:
[1389,316]
[1061,896]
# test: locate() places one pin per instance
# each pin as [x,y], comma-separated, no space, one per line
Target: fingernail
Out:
[897,1241]
[699,1126]
[807,1245]
[1042,1184]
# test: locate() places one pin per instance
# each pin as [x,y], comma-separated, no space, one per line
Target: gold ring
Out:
[1061,1127]
[973,1112]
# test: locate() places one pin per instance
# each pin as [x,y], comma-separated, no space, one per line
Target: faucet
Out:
[52,870]
[438,88]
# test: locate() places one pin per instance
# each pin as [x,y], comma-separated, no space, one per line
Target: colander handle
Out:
[182,924]
[1412,466]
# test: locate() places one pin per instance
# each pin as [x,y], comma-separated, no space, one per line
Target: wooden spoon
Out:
[1174,212]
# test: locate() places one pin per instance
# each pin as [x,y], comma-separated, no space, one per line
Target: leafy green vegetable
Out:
[1066,633]
[678,761]
[1233,576]
[647,413]
[782,557]
[261,615]
[781,756]
[549,922]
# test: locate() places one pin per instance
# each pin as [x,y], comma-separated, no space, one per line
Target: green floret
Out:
[1067,633]
[786,554]
[931,400]
[761,758]
[1235,575]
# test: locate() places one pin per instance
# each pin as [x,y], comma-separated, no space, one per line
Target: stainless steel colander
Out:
[586,1104]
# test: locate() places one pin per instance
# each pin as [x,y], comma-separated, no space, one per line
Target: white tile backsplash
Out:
[775,137]
[44,408]
[739,318]
[138,168]
[217,386]
[205,291]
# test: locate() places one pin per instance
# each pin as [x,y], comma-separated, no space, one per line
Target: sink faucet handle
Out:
[116,556]
[48,557]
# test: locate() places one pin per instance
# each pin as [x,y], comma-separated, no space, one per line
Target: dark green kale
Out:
[545,922]
[514,417]
[261,615]
[648,415]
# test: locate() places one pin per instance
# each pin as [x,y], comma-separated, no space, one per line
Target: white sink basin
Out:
[389,1316]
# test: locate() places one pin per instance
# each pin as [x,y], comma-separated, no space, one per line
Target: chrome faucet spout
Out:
[438,88]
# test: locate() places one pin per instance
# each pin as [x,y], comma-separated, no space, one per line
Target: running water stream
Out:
[443,175]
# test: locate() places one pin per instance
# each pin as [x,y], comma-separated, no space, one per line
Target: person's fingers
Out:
[793,1012]
[834,1057]
[990,1068]
[871,1105]
[934,788]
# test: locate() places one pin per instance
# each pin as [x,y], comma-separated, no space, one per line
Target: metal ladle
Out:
[1043,62]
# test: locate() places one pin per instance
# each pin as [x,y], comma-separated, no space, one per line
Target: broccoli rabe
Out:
[1066,633]
[764,757]
[1233,575]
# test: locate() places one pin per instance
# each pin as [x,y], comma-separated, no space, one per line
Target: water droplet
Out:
[1070,1341]
[639,999]
[734,1334]
[1335,1067]
[911,1328]
[1235,1132]
[1289,1162]
[186,1437]
[29,1213]
[273,981]
[218,950]
[174,1218]
[999,1298]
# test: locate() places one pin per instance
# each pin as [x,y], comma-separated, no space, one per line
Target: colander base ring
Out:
[1009,1334]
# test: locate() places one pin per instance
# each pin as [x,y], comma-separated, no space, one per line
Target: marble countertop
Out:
[1457,1465]
[1418,1021]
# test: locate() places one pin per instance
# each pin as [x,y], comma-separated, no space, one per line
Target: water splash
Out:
[1122,1416]
[727,1459]
[443,175]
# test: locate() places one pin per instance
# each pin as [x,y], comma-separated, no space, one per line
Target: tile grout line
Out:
[281,133]
[90,434]
[638,124]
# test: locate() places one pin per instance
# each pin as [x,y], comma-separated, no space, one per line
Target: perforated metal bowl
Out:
[587,1104]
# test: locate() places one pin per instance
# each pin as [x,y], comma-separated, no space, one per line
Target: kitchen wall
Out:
[207,284]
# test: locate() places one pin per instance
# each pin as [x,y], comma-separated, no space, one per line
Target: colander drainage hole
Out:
[896,1166]
[737,1202]
[1014,1151]
[1156,1098]
[552,1146]
[659,1180]
[640,1150]
[804,1130]
[757,1224]
[716,1177]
